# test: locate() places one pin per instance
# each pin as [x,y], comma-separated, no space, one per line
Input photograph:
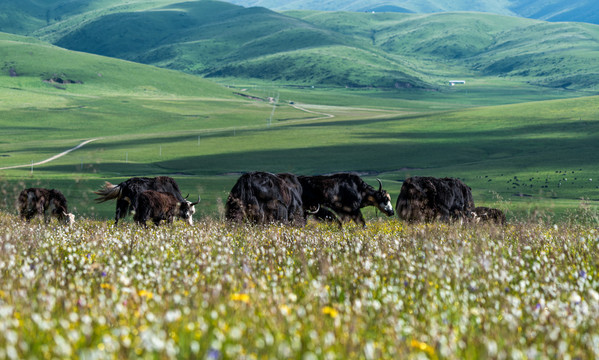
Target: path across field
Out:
[50,158]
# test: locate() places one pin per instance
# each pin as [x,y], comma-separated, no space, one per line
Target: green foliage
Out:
[216,290]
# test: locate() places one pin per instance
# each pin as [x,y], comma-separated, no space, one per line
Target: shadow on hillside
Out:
[467,149]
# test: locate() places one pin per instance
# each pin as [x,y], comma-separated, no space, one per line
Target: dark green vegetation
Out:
[383,50]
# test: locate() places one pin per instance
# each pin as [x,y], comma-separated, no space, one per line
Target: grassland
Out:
[514,150]
[220,291]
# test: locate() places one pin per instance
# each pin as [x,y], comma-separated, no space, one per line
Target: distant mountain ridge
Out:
[548,10]
[352,49]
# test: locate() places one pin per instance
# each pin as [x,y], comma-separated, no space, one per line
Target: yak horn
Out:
[197,202]
[186,196]
[380,184]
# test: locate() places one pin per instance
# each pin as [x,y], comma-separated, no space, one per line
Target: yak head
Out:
[68,218]
[187,209]
[382,200]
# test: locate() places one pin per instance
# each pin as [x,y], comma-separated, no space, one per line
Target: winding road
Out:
[50,158]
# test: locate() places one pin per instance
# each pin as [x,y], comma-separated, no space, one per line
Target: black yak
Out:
[262,198]
[36,201]
[159,206]
[429,199]
[486,214]
[126,193]
[343,194]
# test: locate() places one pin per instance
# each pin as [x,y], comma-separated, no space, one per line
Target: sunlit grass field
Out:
[520,146]
[219,291]
[527,156]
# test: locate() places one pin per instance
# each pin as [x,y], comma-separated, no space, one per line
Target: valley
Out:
[325,92]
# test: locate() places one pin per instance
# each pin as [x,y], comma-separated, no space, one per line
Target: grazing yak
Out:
[127,192]
[429,199]
[486,214]
[36,201]
[262,198]
[162,206]
[343,194]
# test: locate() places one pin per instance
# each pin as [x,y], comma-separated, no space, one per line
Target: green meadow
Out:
[520,147]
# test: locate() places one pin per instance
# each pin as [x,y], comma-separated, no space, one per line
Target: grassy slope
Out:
[214,38]
[555,10]
[324,47]
[416,6]
[155,121]
[49,18]
[549,54]
[218,39]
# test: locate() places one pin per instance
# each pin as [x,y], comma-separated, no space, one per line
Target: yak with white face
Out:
[127,192]
[343,194]
[159,206]
[36,201]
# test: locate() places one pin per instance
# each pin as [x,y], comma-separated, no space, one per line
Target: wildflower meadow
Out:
[220,291]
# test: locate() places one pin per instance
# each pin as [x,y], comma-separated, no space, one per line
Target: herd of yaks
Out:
[263,198]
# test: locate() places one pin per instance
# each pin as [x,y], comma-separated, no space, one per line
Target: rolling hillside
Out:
[390,50]
[547,54]
[37,64]
[43,17]
[150,121]
[348,49]
[554,10]
[213,38]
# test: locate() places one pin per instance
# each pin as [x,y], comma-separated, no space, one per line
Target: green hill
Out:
[213,38]
[50,17]
[348,49]
[555,10]
[33,63]
[548,54]
[389,50]
[150,121]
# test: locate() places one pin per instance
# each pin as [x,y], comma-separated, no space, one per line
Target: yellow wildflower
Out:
[284,310]
[106,286]
[147,294]
[245,298]
[424,347]
[331,311]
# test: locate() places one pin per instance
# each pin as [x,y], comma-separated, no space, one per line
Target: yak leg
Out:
[122,207]
[140,217]
[327,215]
[28,215]
[41,211]
[28,212]
[444,214]
[358,218]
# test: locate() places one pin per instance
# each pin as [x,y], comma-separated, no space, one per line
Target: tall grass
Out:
[216,290]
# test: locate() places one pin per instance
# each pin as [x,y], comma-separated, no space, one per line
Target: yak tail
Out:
[108,192]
